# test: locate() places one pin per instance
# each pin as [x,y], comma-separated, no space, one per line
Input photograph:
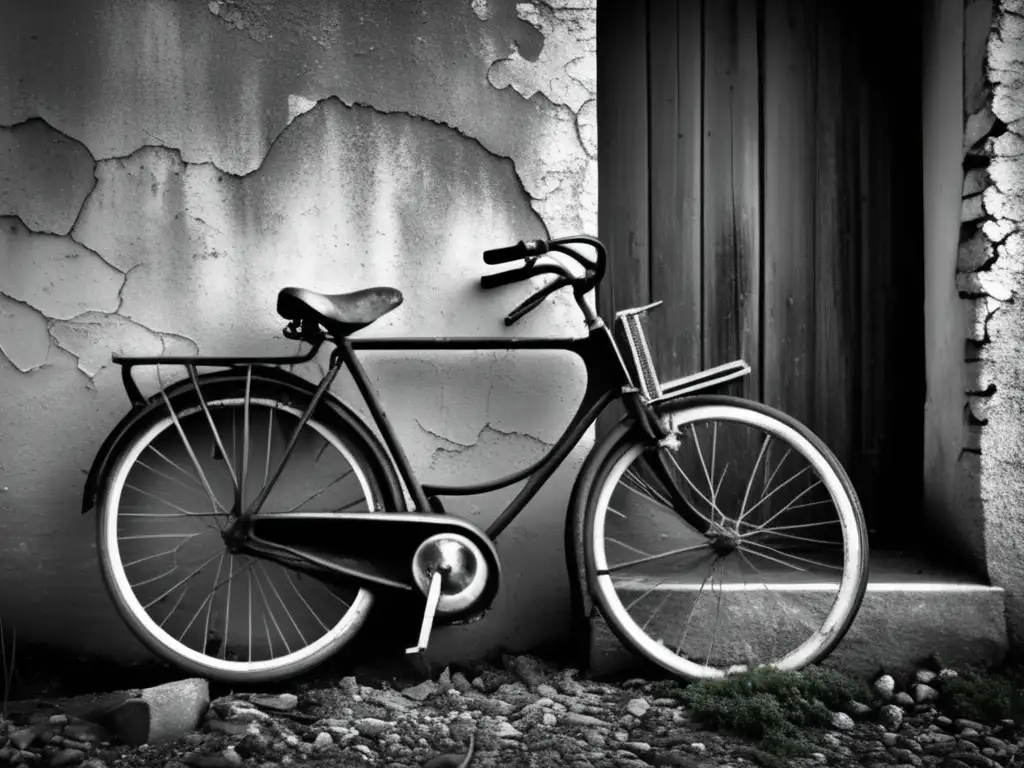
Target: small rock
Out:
[372,727]
[637,707]
[349,686]
[323,740]
[904,699]
[421,691]
[925,676]
[884,686]
[175,708]
[890,716]
[948,674]
[232,756]
[549,719]
[546,691]
[924,693]
[67,757]
[284,702]
[505,730]
[58,719]
[857,709]
[842,721]
[890,739]
[961,723]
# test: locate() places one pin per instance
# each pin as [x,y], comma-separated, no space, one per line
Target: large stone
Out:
[175,709]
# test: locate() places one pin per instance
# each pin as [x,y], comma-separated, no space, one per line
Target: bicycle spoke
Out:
[315,494]
[305,603]
[669,507]
[693,608]
[266,607]
[188,448]
[287,613]
[705,499]
[140,537]
[209,607]
[753,474]
[270,437]
[245,437]
[213,427]
[209,597]
[249,597]
[655,558]
[792,556]
[227,604]
[789,506]
[627,546]
[778,488]
[643,488]
[163,501]
[704,466]
[192,486]
[187,578]
[718,616]
[794,537]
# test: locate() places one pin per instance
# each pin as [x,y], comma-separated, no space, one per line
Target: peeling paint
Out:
[54,274]
[24,338]
[45,176]
[341,193]
[566,70]
[93,337]
[509,451]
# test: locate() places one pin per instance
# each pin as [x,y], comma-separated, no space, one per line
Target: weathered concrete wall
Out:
[992,280]
[167,165]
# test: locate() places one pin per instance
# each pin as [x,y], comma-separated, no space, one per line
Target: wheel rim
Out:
[660,573]
[290,614]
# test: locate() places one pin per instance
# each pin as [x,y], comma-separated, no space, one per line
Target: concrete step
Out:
[912,609]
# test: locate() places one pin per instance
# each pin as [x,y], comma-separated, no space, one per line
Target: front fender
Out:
[120,434]
[579,590]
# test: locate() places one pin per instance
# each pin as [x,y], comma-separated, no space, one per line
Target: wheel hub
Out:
[723,542]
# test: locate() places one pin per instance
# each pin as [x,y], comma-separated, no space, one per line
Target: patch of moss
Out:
[783,711]
[986,696]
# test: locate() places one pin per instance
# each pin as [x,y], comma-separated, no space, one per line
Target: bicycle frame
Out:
[604,384]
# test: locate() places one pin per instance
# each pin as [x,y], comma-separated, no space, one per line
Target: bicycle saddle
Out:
[340,313]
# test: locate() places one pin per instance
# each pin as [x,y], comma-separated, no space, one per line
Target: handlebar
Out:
[531,250]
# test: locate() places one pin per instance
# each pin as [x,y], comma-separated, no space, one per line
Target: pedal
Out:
[433,597]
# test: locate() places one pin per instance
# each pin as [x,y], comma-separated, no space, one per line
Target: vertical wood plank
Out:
[789,176]
[623,217]
[731,184]
[836,248]
[674,56]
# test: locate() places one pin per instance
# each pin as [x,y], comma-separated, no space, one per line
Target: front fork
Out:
[661,433]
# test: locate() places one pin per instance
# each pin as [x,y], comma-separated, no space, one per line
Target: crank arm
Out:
[433,598]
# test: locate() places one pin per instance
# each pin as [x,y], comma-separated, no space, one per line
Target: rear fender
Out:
[119,436]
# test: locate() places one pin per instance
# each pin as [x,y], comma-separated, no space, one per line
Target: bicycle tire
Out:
[337,427]
[855,569]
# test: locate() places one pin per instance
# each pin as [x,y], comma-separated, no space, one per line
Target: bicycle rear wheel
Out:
[162,508]
[780,583]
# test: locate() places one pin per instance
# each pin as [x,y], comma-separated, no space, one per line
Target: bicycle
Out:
[319,568]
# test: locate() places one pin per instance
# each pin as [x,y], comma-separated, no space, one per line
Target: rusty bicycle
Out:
[247,519]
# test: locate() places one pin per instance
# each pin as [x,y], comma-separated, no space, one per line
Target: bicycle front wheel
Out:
[165,504]
[781,573]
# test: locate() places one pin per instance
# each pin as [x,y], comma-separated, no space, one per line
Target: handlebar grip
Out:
[505,278]
[520,250]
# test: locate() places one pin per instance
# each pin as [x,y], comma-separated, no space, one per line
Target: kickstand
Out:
[433,597]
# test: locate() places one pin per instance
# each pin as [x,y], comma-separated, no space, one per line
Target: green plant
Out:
[987,696]
[781,710]
[8,664]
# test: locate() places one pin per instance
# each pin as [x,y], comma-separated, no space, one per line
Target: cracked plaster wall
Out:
[167,165]
[991,283]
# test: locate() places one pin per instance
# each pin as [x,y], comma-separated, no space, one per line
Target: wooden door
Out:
[760,174]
